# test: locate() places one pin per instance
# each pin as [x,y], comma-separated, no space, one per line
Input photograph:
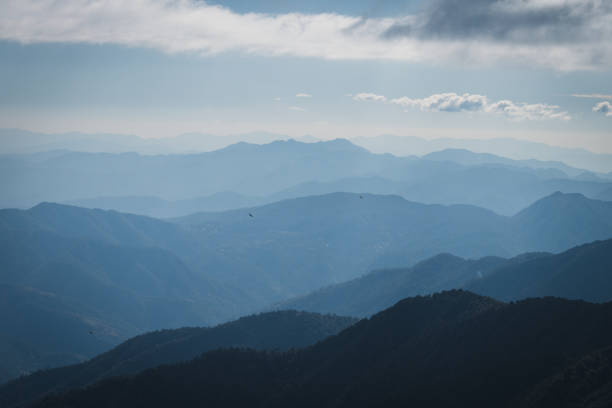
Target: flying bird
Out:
[361,197]
[250,215]
[90,332]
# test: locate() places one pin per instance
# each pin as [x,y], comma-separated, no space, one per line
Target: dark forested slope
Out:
[449,349]
[270,331]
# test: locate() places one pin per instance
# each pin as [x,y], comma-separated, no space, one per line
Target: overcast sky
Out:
[530,69]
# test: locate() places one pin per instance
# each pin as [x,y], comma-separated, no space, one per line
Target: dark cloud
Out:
[515,21]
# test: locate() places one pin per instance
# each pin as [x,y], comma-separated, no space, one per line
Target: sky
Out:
[537,70]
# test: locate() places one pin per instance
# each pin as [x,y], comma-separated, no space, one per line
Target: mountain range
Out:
[336,237]
[582,272]
[450,349]
[511,148]
[269,331]
[18,141]
[91,278]
[175,185]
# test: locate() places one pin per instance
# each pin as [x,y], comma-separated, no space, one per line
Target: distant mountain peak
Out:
[47,206]
[344,144]
[339,142]
[559,196]
[333,145]
[442,257]
[329,145]
[450,152]
[566,197]
[558,204]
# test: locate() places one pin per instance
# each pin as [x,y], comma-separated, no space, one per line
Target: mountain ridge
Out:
[578,273]
[430,351]
[269,331]
[292,248]
[269,171]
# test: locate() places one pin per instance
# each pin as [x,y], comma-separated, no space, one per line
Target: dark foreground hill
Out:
[267,331]
[583,272]
[587,383]
[449,349]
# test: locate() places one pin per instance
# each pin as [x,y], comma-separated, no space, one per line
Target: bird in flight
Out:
[90,332]
[361,197]
[250,215]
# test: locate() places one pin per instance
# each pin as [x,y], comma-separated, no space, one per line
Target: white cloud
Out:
[593,96]
[452,102]
[297,109]
[603,107]
[446,102]
[529,111]
[194,26]
[303,95]
[366,96]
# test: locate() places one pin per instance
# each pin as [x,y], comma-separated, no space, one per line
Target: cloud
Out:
[297,109]
[603,107]
[446,102]
[303,95]
[452,102]
[559,34]
[366,96]
[593,96]
[510,21]
[517,28]
[527,111]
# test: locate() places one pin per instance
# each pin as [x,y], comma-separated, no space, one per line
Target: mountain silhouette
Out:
[174,183]
[449,349]
[126,274]
[582,272]
[271,331]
